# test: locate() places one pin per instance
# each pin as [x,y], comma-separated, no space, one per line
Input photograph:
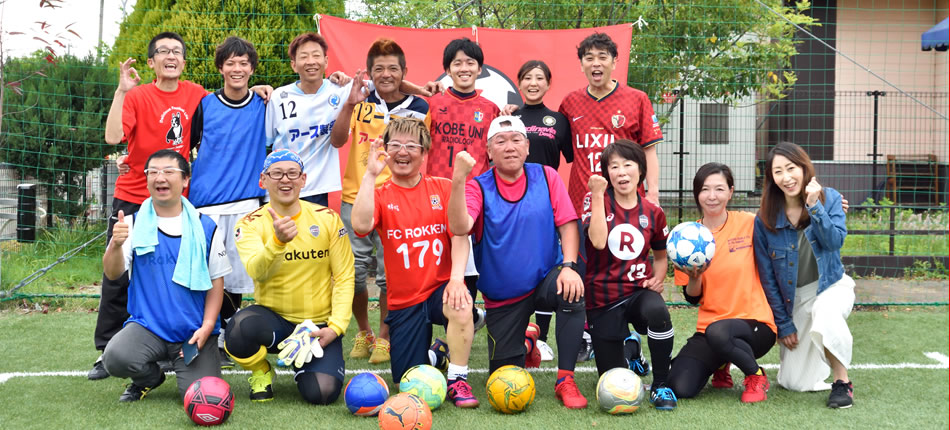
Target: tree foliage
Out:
[704,48]
[52,132]
[269,24]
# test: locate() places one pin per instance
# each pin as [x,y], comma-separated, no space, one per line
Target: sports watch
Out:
[570,264]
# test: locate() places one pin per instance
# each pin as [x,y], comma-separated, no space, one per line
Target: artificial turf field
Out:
[45,357]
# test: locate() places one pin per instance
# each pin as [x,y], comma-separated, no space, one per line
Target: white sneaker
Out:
[547,354]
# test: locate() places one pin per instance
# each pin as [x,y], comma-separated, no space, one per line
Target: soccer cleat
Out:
[587,349]
[755,388]
[261,389]
[380,351]
[134,392]
[439,355]
[460,393]
[842,395]
[547,354]
[722,378]
[480,318]
[533,355]
[98,371]
[361,344]
[567,392]
[662,398]
[634,354]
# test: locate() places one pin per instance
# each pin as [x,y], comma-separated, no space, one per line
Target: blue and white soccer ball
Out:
[690,245]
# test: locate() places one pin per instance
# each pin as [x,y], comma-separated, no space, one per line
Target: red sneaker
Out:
[568,393]
[460,393]
[722,378]
[755,388]
[533,357]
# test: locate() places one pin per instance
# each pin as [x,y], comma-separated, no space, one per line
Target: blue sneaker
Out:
[634,355]
[662,398]
[439,355]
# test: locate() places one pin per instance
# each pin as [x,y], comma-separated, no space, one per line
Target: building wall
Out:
[884,35]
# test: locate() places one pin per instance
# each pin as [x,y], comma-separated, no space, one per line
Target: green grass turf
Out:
[891,398]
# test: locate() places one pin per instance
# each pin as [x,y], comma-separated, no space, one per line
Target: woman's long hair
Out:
[773,198]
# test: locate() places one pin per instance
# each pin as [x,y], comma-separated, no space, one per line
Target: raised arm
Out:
[364,206]
[460,222]
[128,79]
[358,93]
[597,232]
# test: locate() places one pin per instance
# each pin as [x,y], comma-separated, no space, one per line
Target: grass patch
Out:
[905,398]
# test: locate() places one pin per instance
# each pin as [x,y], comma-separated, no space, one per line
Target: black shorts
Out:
[609,323]
[410,332]
[507,324]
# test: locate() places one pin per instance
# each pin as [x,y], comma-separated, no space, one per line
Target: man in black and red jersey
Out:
[604,111]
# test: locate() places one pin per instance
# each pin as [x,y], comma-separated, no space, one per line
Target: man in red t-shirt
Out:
[603,112]
[423,286]
[460,115]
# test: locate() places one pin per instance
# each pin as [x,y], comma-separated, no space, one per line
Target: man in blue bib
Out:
[176,261]
[525,244]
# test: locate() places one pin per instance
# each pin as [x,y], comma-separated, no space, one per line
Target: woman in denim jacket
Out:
[798,235]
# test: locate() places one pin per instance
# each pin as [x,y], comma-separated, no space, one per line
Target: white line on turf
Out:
[943,363]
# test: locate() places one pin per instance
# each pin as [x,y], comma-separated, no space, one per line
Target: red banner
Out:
[505,51]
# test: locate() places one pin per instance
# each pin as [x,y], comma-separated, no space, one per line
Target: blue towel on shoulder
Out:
[191,268]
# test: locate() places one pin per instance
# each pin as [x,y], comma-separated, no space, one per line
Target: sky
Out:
[21,16]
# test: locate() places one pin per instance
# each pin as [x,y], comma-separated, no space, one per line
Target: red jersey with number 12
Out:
[413,225]
[625,113]
[459,124]
[621,267]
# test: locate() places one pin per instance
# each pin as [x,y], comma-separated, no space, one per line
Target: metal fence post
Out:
[890,246]
[680,153]
[874,154]
[26,213]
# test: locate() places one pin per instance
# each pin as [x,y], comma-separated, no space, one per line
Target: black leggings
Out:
[735,341]
[647,311]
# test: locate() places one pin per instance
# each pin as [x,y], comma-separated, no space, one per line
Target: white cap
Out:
[506,123]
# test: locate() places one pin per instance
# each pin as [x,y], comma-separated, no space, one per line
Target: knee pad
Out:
[314,392]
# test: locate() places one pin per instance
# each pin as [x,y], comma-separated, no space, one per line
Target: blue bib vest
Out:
[170,311]
[232,151]
[519,243]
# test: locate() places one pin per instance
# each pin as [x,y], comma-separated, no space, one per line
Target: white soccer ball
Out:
[690,244]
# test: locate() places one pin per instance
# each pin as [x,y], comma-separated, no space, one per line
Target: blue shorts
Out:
[410,332]
[318,199]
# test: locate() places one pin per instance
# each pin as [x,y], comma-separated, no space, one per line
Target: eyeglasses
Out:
[178,52]
[278,175]
[395,147]
[152,172]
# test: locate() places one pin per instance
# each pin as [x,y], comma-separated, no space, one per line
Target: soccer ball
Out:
[510,389]
[426,382]
[365,394]
[405,411]
[208,401]
[619,391]
[690,245]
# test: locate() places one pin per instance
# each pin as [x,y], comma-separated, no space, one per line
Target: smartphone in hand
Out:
[189,351]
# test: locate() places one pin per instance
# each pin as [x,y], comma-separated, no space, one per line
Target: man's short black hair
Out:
[166,35]
[598,41]
[465,45]
[234,46]
[168,153]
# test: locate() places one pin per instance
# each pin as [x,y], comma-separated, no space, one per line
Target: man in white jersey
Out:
[301,115]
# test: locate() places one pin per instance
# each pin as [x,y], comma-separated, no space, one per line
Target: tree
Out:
[59,139]
[704,48]
[269,24]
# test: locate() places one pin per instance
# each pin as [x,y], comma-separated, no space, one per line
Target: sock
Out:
[528,345]
[456,372]
[256,362]
[561,374]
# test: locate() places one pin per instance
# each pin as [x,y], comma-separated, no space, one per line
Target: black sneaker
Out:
[134,392]
[98,371]
[587,349]
[842,395]
[226,362]
[633,352]
[662,397]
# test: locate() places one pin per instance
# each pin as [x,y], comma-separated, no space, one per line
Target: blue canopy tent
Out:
[936,37]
